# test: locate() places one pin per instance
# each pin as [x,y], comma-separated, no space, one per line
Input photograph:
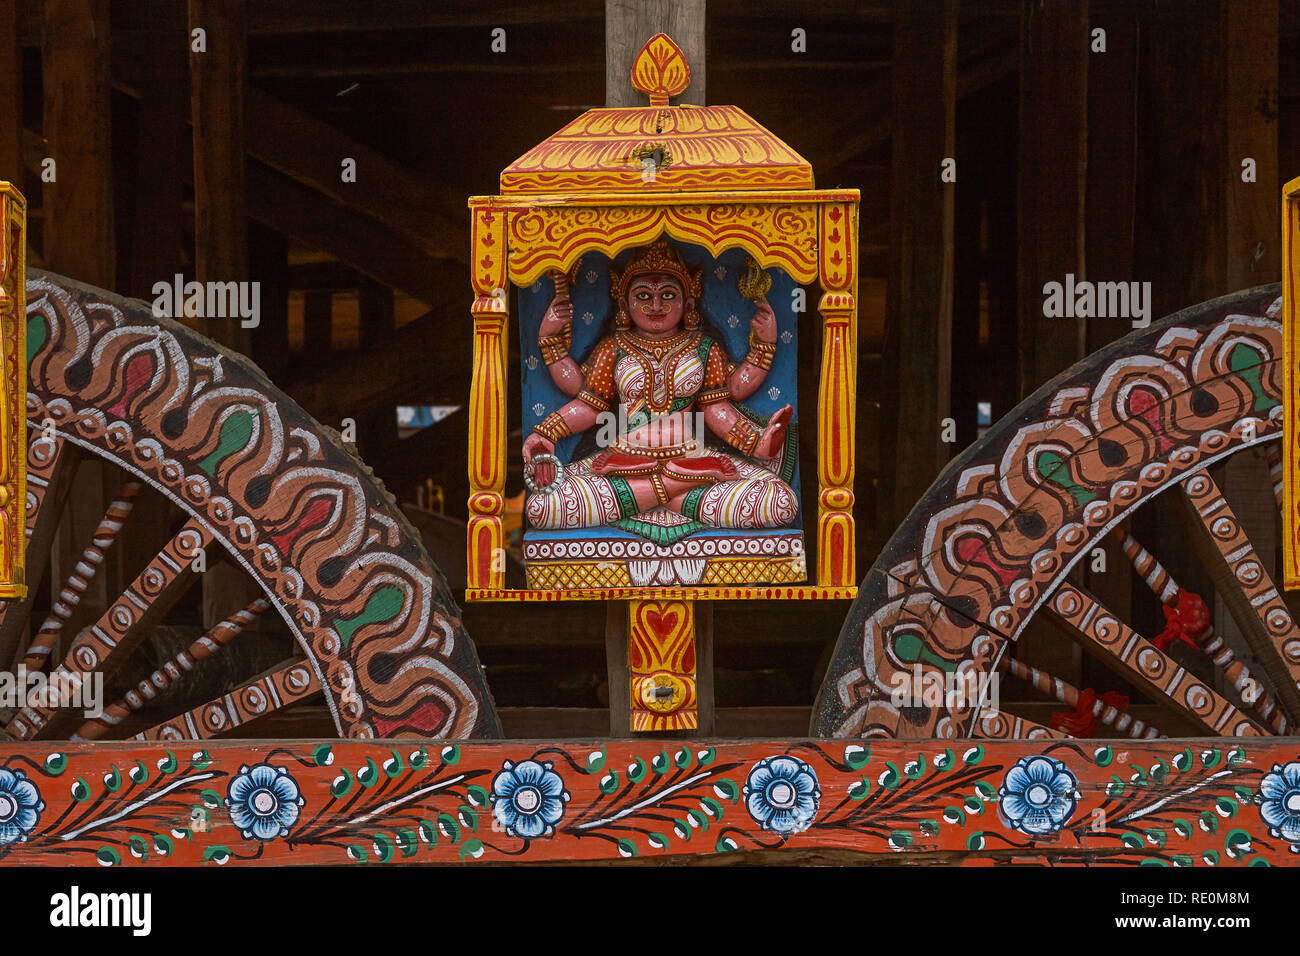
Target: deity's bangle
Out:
[743,437]
[555,347]
[713,396]
[761,354]
[594,400]
[554,427]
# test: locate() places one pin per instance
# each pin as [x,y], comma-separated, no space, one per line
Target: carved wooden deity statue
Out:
[644,389]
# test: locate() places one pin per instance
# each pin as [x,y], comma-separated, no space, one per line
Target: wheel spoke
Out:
[1249,688]
[213,642]
[1067,694]
[84,572]
[1145,665]
[287,683]
[1241,580]
[108,643]
[51,466]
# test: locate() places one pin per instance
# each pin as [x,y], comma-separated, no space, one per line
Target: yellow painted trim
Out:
[13,393]
[1291,386]
[775,592]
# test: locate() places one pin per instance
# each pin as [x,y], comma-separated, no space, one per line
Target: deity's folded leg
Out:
[757,501]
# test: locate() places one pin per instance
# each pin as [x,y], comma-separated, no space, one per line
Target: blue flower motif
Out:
[263,801]
[1279,803]
[1038,795]
[20,806]
[528,798]
[782,795]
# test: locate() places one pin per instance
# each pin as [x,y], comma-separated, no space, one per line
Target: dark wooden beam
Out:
[311,152]
[362,242]
[317,324]
[323,16]
[919,305]
[217,82]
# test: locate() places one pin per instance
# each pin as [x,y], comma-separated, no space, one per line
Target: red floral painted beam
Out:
[1171,802]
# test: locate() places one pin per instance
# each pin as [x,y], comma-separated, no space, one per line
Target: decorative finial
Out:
[660,70]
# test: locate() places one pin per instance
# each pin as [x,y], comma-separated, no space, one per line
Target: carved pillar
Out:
[487,400]
[13,391]
[836,405]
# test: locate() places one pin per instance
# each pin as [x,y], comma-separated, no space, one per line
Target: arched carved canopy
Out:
[316,530]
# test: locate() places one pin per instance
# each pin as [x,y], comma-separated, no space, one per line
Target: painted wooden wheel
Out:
[999,542]
[377,634]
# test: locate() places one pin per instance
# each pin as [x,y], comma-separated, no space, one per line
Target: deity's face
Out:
[656,305]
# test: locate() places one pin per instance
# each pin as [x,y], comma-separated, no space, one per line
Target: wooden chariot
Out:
[1202,772]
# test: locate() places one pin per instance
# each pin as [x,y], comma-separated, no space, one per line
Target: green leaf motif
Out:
[55,764]
[217,854]
[1103,756]
[472,850]
[322,755]
[726,789]
[857,755]
[626,847]
[107,856]
[383,847]
[201,760]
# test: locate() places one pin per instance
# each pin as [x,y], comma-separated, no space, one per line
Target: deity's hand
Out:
[559,315]
[764,322]
[536,444]
[772,440]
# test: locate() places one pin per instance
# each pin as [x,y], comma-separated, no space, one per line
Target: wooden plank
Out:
[630,23]
[342,802]
[220,201]
[919,309]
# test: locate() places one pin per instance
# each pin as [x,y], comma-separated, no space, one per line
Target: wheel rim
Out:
[991,543]
[380,636]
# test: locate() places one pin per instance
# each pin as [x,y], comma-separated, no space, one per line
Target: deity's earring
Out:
[692,320]
[621,321]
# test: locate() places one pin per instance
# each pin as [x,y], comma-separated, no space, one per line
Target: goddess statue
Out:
[651,375]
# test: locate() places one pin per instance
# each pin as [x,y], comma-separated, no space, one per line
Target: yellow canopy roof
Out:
[659,146]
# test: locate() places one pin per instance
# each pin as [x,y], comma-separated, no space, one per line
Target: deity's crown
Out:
[658,258]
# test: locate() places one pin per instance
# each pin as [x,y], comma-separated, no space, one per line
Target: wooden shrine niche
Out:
[659,258]
[13,393]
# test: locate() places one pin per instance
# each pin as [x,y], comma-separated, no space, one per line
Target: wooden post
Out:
[157,225]
[77,205]
[1051,193]
[1052,179]
[78,228]
[628,25]
[919,303]
[1253,254]
[217,110]
[11,97]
